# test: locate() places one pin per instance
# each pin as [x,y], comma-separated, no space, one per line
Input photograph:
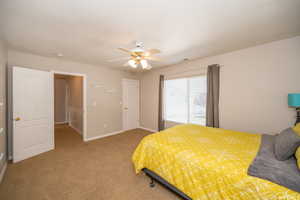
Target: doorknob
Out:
[17,119]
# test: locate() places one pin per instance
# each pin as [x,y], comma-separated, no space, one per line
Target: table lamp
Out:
[294,101]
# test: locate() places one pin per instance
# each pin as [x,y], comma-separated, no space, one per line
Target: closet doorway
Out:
[69,104]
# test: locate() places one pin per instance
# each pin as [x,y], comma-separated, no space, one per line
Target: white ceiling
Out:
[91,30]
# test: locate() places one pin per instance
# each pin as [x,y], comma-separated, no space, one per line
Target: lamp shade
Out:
[294,100]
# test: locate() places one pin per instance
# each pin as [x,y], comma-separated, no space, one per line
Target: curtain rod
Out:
[204,68]
[180,72]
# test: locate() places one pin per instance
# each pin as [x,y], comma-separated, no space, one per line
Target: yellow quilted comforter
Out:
[207,163]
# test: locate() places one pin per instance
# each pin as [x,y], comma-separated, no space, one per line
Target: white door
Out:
[131,104]
[33,131]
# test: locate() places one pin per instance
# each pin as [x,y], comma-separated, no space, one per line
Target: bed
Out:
[206,163]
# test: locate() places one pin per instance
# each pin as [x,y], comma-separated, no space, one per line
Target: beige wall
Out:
[75,102]
[254,86]
[103,106]
[60,104]
[3,61]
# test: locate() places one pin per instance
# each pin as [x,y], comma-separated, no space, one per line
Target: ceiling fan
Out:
[140,56]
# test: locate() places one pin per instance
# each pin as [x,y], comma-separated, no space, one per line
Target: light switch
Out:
[1,103]
[1,130]
[1,156]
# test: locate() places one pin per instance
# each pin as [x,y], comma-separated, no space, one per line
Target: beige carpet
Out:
[100,170]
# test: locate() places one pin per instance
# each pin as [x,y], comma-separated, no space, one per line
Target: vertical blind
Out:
[185,100]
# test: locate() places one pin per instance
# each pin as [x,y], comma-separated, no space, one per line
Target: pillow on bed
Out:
[297,128]
[286,144]
[298,156]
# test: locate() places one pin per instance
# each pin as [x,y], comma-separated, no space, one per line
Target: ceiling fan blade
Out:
[118,59]
[152,51]
[125,50]
[153,58]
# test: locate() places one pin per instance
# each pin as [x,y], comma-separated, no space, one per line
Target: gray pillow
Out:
[286,144]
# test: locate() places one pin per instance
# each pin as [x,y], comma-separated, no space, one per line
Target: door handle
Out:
[125,108]
[17,119]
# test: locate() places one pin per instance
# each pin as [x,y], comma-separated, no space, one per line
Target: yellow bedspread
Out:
[207,163]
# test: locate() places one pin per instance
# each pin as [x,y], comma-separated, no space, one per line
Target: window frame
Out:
[187,98]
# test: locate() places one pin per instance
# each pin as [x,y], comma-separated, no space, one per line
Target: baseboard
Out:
[102,136]
[76,129]
[148,129]
[3,171]
[61,122]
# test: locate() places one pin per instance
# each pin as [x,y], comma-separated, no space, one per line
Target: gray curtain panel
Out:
[213,92]
[161,121]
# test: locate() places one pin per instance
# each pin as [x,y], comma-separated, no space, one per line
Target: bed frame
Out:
[155,177]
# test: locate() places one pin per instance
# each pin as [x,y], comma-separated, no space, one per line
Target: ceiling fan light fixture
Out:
[144,64]
[139,56]
[132,63]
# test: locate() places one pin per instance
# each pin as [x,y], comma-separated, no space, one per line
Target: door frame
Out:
[84,99]
[124,80]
